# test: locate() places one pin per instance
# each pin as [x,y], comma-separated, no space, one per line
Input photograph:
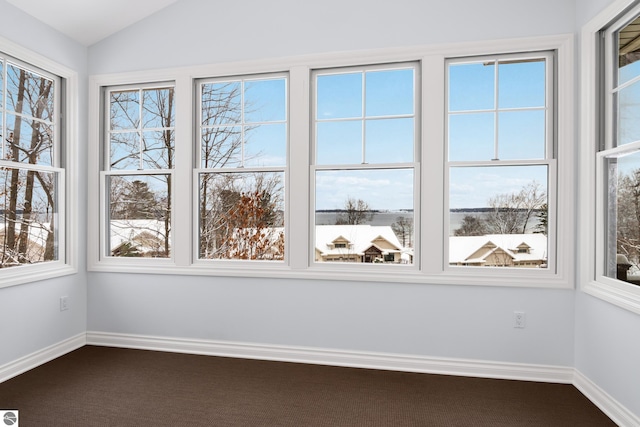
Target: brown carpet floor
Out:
[100,386]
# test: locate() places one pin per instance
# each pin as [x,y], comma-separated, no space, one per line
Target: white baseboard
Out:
[392,362]
[614,410]
[40,357]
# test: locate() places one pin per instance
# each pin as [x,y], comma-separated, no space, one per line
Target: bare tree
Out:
[511,212]
[355,212]
[143,138]
[28,197]
[628,217]
[239,211]
[403,227]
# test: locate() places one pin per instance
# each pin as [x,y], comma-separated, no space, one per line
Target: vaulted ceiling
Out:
[89,21]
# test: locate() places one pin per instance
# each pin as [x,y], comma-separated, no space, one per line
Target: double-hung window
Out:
[611,65]
[137,180]
[501,161]
[365,165]
[32,177]
[242,159]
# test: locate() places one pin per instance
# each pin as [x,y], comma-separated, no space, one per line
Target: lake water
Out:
[388,218]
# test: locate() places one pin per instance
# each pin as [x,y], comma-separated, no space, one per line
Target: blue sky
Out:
[485,121]
[369,117]
[365,117]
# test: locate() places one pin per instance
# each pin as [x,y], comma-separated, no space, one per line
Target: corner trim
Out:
[366,360]
[33,360]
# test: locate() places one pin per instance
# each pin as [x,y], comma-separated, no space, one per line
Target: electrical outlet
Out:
[64,303]
[518,319]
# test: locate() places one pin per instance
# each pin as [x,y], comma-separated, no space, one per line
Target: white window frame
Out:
[429,264]
[596,126]
[66,169]
[549,160]
[103,251]
[415,165]
[215,264]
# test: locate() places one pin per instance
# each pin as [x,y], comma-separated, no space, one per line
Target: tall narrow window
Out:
[139,167]
[619,158]
[242,163]
[365,169]
[501,167]
[31,174]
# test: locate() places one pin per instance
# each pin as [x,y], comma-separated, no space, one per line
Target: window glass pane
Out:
[472,86]
[266,145]
[139,216]
[628,52]
[259,138]
[339,142]
[389,93]
[389,140]
[498,216]
[29,94]
[364,216]
[28,217]
[628,112]
[1,85]
[158,108]
[472,136]
[339,96]
[4,148]
[158,147]
[221,103]
[124,110]
[146,145]
[221,147]
[125,151]
[30,141]
[521,84]
[521,135]
[265,101]
[241,216]
[521,111]
[623,240]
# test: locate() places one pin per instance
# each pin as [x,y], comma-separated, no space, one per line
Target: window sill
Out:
[403,274]
[621,294]
[33,273]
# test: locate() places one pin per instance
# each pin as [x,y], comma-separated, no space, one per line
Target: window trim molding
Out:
[300,265]
[415,165]
[621,294]
[549,160]
[68,262]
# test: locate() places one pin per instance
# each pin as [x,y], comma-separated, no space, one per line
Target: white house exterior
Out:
[358,243]
[499,250]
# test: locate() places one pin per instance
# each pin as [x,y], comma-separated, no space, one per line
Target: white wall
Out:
[607,343]
[30,318]
[445,321]
[204,32]
[442,321]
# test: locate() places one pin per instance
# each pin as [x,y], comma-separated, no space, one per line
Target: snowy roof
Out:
[38,232]
[125,230]
[359,238]
[464,249]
